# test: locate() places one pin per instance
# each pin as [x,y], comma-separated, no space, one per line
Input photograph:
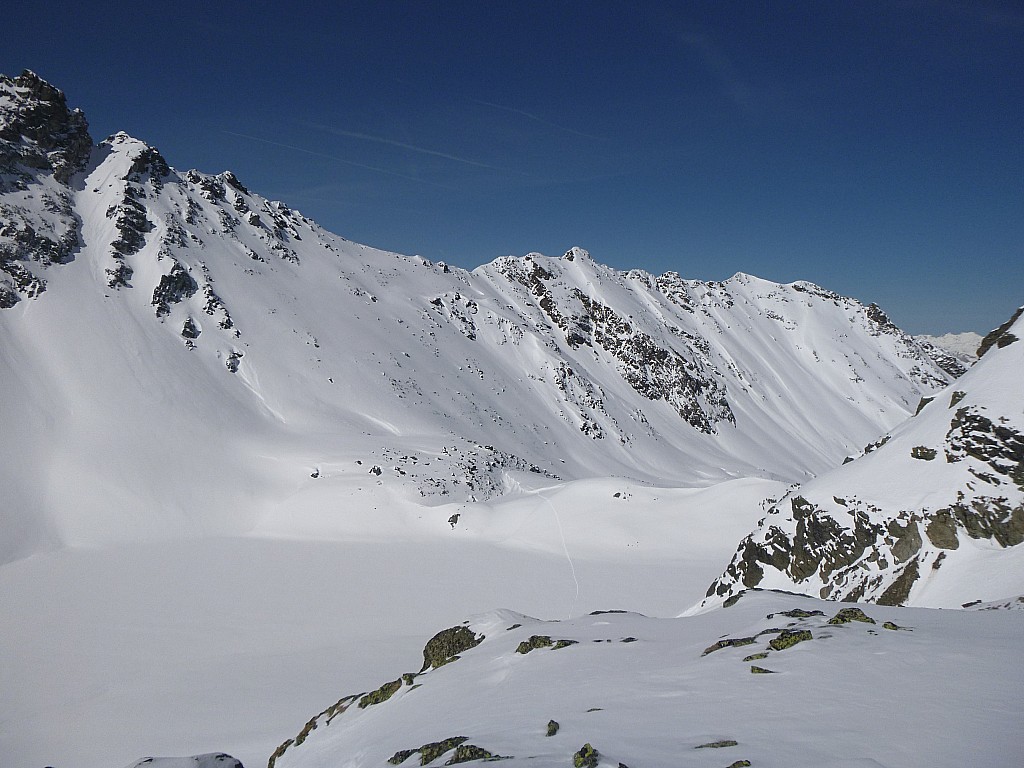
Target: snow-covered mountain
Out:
[249,465]
[930,514]
[181,356]
[963,346]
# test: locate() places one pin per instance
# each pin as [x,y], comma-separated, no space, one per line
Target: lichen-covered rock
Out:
[553,727]
[718,744]
[796,613]
[846,615]
[586,757]
[730,642]
[445,646]
[756,670]
[788,638]
[541,641]
[429,752]
[326,716]
[756,656]
[380,695]
[401,756]
[466,752]
[432,751]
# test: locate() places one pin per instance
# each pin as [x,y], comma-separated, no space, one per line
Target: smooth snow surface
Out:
[230,644]
[210,760]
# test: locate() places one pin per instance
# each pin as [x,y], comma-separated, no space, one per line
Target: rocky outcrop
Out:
[38,132]
[42,144]
[966,457]
[174,287]
[1001,336]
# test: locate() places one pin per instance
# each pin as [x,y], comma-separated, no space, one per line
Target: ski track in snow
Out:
[565,549]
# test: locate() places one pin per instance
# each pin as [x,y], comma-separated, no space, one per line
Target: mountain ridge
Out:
[276,328]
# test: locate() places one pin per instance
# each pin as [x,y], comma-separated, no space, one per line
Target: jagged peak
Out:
[37,129]
[229,178]
[30,86]
[577,253]
[124,141]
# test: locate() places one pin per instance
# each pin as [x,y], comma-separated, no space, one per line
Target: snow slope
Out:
[932,514]
[183,358]
[645,691]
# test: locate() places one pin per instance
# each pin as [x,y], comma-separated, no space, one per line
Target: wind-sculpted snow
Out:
[203,359]
[775,679]
[932,514]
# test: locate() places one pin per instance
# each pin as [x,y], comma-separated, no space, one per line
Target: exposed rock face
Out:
[42,144]
[947,361]
[1001,336]
[654,371]
[445,646]
[174,287]
[38,132]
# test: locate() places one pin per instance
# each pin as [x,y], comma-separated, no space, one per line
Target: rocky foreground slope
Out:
[772,680]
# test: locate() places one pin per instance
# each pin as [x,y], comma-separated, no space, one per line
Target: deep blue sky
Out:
[876,148]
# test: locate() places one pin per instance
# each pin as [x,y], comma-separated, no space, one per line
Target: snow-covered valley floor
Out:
[231,644]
